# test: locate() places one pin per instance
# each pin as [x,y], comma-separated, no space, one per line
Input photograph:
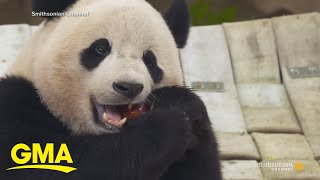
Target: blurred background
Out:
[204,12]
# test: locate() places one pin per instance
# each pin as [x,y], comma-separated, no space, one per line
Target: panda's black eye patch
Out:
[92,56]
[150,60]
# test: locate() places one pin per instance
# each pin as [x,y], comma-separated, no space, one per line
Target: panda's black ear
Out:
[51,6]
[178,20]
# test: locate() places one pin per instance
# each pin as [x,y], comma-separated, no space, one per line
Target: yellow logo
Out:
[46,157]
[299,166]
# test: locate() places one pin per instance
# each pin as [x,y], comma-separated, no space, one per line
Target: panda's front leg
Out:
[202,161]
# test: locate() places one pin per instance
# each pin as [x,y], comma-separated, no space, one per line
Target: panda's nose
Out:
[129,90]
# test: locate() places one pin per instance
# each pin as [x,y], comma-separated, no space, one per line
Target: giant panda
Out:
[110,86]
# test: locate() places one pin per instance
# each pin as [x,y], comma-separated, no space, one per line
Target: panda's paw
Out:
[186,116]
[185,100]
[174,128]
[170,130]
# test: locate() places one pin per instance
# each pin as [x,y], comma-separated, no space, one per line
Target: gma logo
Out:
[41,159]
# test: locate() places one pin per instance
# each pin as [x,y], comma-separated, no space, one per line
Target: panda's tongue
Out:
[113,115]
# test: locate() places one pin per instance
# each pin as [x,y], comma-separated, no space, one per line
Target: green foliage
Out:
[202,14]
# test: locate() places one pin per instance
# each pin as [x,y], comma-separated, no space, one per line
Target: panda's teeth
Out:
[130,105]
[122,122]
[117,124]
[105,117]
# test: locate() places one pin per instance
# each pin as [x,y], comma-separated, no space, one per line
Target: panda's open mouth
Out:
[117,115]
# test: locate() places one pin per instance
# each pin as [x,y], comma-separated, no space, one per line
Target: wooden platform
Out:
[260,81]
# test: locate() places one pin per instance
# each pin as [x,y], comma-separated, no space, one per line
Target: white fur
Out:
[51,60]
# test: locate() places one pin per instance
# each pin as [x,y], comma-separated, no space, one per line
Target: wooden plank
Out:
[253,51]
[298,41]
[266,108]
[12,40]
[264,102]
[241,170]
[224,111]
[271,120]
[230,150]
[282,146]
[206,58]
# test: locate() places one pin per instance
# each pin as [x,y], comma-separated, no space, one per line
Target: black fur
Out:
[150,60]
[174,141]
[178,20]
[90,58]
[202,162]
[51,6]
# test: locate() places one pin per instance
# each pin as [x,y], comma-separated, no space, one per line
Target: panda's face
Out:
[91,71]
